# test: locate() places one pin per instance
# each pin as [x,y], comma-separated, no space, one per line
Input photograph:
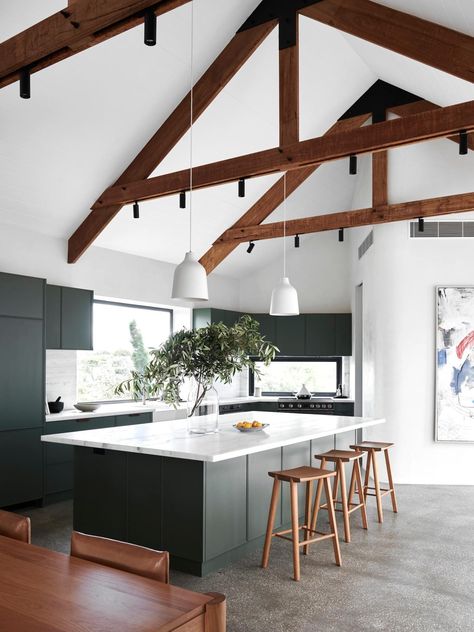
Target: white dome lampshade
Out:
[284,299]
[190,280]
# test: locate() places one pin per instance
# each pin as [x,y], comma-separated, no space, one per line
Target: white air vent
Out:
[365,245]
[435,230]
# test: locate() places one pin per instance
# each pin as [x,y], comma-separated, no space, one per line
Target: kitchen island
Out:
[202,498]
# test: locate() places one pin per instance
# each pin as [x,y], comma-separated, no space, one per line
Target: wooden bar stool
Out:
[304,474]
[339,458]
[372,447]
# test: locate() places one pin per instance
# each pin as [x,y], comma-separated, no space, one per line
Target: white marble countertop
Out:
[171,438]
[108,410]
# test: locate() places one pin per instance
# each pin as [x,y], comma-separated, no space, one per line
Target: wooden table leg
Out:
[215,620]
[295,529]
[345,509]
[332,522]
[270,523]
[390,482]
[360,489]
[307,514]
[377,487]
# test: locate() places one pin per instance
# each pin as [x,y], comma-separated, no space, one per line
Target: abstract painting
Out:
[455,364]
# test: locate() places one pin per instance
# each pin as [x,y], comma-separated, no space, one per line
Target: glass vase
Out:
[202,409]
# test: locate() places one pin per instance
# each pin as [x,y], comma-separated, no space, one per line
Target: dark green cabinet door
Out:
[53,317]
[21,466]
[21,296]
[290,335]
[225,316]
[260,491]
[267,326]
[135,418]
[294,456]
[201,317]
[226,500]
[21,373]
[320,335]
[100,492]
[76,318]
[343,334]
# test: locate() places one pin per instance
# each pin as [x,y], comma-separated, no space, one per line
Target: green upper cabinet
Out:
[68,318]
[343,334]
[207,315]
[267,326]
[320,334]
[21,296]
[290,335]
[298,336]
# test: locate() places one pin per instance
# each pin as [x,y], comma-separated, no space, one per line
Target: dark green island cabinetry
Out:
[306,335]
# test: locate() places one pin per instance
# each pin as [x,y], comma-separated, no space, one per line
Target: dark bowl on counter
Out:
[55,407]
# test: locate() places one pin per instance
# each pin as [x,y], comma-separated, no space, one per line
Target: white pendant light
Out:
[284,296]
[190,278]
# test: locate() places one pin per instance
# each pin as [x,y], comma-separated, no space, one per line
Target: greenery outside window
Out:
[284,377]
[124,335]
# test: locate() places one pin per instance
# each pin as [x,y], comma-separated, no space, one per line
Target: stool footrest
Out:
[383,491]
[322,536]
[353,506]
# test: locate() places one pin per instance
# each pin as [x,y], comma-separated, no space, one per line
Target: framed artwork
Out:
[455,363]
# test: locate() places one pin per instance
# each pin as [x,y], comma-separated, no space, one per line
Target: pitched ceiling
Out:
[90,114]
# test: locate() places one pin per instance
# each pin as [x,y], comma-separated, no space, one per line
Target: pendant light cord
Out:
[191,95]
[284,224]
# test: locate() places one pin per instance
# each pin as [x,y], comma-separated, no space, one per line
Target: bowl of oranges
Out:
[250,426]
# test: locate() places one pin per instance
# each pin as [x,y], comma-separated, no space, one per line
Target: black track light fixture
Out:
[136,211]
[182,199]
[251,246]
[463,144]
[421,225]
[150,27]
[352,165]
[25,88]
[341,234]
[242,187]
[297,241]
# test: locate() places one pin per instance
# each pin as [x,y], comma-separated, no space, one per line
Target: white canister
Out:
[257,391]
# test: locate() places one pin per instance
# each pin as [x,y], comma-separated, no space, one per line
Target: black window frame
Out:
[100,301]
[336,359]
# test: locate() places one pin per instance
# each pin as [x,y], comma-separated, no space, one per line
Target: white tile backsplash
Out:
[61,376]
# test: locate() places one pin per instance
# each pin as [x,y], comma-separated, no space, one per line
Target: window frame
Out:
[100,301]
[336,359]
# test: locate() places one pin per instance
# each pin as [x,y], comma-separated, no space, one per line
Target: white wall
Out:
[319,270]
[399,276]
[107,272]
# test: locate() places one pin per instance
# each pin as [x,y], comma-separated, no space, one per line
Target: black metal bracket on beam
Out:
[285,11]
[379,98]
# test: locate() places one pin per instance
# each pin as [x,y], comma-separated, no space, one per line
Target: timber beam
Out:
[432,124]
[351,219]
[82,24]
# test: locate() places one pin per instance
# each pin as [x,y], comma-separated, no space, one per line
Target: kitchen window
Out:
[124,335]
[285,377]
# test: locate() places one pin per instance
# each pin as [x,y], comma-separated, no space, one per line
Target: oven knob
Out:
[318,405]
[290,405]
[300,405]
[323,405]
[311,405]
[282,405]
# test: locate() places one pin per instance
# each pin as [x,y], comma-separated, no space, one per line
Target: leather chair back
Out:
[121,555]
[14,526]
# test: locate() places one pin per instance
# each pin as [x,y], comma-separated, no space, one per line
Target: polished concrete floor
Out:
[413,573]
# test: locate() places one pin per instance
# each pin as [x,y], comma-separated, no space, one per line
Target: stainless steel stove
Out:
[321,405]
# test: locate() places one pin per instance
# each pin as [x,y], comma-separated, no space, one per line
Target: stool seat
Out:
[340,455]
[371,445]
[302,474]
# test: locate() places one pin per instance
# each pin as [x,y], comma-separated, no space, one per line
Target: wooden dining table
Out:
[46,591]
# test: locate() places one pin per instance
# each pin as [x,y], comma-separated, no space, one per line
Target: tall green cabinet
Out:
[22,390]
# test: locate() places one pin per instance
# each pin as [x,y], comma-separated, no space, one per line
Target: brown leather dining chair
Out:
[14,526]
[121,555]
